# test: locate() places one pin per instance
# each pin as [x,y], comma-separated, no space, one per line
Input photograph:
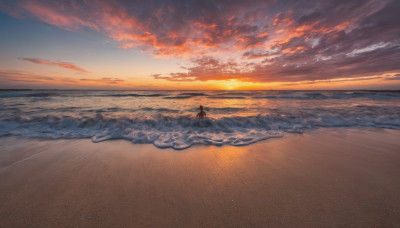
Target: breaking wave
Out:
[165,118]
[183,131]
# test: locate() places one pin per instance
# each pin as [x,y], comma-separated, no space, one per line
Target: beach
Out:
[331,177]
[199,113]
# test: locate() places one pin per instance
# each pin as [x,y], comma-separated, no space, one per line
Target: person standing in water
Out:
[202,113]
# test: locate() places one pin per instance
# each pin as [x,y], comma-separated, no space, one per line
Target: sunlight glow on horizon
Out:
[259,45]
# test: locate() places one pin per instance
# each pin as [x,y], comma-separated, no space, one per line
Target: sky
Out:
[200,44]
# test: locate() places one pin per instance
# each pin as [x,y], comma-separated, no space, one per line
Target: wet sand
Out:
[323,178]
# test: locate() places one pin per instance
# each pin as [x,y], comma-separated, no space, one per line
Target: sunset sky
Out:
[189,44]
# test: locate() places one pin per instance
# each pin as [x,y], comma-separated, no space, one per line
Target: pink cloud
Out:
[156,29]
[59,64]
[104,80]
[23,79]
[260,40]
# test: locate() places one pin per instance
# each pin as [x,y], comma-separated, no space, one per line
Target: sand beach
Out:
[322,178]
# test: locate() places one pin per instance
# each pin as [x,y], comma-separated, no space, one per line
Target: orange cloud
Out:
[51,16]
[257,41]
[160,32]
[59,64]
[22,79]
[104,80]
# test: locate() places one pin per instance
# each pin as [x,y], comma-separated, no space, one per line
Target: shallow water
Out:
[166,118]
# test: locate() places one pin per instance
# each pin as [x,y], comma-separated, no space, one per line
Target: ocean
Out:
[167,118]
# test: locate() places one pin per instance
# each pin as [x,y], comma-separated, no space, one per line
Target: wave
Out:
[181,132]
[159,109]
[193,94]
[23,94]
[134,95]
[379,95]
[225,109]
[178,97]
[186,95]
[300,95]
[222,97]
[65,93]
[236,93]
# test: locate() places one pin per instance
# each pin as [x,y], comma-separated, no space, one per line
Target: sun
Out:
[231,84]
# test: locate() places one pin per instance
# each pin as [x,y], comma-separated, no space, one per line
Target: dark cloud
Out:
[319,47]
[340,80]
[259,41]
[396,77]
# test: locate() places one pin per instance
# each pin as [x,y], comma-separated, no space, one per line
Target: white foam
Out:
[183,132]
[146,117]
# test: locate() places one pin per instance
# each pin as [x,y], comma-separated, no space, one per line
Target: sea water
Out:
[167,118]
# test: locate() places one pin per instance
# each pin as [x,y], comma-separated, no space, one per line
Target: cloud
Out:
[336,80]
[293,67]
[257,41]
[317,46]
[8,77]
[22,79]
[59,64]
[395,77]
[104,80]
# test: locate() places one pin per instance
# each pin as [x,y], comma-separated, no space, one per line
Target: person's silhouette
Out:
[202,113]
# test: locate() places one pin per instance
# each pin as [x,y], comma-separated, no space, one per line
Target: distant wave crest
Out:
[299,95]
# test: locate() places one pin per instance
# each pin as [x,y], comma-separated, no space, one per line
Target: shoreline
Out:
[325,177]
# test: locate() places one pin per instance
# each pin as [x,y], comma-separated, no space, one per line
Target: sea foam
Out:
[183,132]
[166,118]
